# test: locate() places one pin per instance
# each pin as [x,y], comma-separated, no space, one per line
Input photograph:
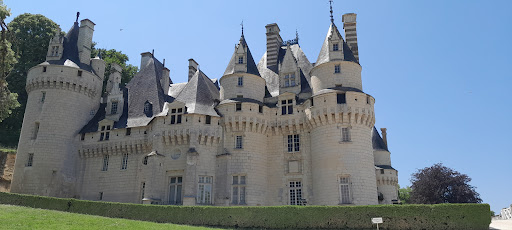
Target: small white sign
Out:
[377,220]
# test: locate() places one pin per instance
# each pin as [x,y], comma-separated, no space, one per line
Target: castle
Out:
[284,131]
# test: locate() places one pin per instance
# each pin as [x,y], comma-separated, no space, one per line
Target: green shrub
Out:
[440,216]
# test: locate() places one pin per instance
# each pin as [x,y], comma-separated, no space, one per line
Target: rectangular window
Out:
[337,69]
[238,142]
[367,99]
[44,69]
[145,160]
[239,96]
[204,191]
[142,191]
[128,131]
[79,73]
[240,81]
[335,47]
[176,116]
[124,163]
[341,98]
[345,134]
[345,190]
[113,109]
[107,136]
[208,119]
[100,196]
[43,96]
[238,107]
[293,143]
[36,131]
[55,51]
[240,60]
[292,80]
[30,160]
[82,136]
[102,136]
[381,171]
[238,190]
[286,107]
[175,191]
[296,193]
[105,163]
[289,80]
[260,109]
[178,119]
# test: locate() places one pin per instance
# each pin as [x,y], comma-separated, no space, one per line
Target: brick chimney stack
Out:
[192,68]
[274,42]
[349,25]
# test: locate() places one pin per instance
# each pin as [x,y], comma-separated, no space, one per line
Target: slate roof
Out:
[251,65]
[384,167]
[200,95]
[70,55]
[145,87]
[323,56]
[378,143]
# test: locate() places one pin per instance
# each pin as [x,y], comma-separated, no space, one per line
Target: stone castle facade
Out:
[284,131]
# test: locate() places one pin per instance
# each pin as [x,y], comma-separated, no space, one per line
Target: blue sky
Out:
[439,70]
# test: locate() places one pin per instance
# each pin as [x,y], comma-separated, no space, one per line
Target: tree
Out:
[440,184]
[114,56]
[31,34]
[404,194]
[8,100]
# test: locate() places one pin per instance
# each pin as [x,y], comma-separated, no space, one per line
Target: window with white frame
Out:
[238,189]
[105,163]
[240,60]
[113,108]
[30,160]
[296,193]
[176,116]
[345,134]
[239,142]
[345,190]
[240,81]
[289,80]
[175,190]
[335,47]
[204,190]
[293,143]
[124,162]
[337,69]
[105,133]
[286,106]
[55,51]
[148,108]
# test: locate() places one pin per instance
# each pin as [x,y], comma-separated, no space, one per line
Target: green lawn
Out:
[17,217]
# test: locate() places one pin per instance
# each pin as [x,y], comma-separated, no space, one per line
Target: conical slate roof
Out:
[323,56]
[251,65]
[200,95]
[378,143]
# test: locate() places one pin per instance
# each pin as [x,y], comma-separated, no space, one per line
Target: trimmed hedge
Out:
[440,216]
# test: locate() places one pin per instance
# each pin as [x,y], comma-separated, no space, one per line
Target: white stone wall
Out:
[323,76]
[382,157]
[253,86]
[387,184]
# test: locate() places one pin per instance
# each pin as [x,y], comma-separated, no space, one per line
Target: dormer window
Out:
[240,81]
[240,60]
[55,51]
[105,133]
[289,80]
[286,107]
[335,47]
[113,108]
[337,69]
[176,116]
[148,109]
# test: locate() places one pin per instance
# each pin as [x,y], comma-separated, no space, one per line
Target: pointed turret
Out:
[241,72]
[334,48]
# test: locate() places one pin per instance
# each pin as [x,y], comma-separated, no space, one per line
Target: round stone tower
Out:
[343,114]
[63,95]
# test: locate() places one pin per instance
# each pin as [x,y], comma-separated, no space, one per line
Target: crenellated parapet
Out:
[235,123]
[386,179]
[205,136]
[341,113]
[139,146]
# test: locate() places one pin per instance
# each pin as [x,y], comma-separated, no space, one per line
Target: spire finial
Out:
[297,35]
[330,5]
[77,15]
[242,24]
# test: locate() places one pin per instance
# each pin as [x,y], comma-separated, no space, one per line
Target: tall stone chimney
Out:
[274,42]
[192,68]
[349,25]
[384,136]
[144,59]
[85,40]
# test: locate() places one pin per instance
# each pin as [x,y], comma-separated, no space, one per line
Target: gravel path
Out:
[501,224]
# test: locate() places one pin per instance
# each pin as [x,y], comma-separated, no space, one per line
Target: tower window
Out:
[239,142]
[105,163]
[238,107]
[30,160]
[204,191]
[128,131]
[124,162]
[142,188]
[175,190]
[286,107]
[296,193]
[240,81]
[345,190]
[145,160]
[176,116]
[208,119]
[238,189]
[335,47]
[43,96]
[82,136]
[341,98]
[44,69]
[289,80]
[55,51]
[240,60]
[79,73]
[260,109]
[337,69]
[345,134]
[293,143]
[36,131]
[113,109]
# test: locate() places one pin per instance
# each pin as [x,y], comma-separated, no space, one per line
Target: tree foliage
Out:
[8,100]
[404,194]
[113,56]
[440,184]
[30,36]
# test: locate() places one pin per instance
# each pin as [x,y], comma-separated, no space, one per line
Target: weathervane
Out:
[77,15]
[297,35]
[330,5]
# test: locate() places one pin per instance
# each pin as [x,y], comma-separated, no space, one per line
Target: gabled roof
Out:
[251,65]
[323,56]
[145,87]
[378,143]
[200,95]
